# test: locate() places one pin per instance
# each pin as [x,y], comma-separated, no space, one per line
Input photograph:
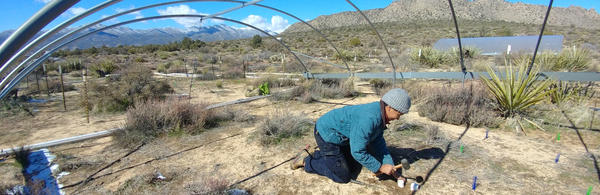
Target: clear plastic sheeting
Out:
[500,45]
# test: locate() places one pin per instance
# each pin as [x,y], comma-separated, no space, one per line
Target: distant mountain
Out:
[128,36]
[485,10]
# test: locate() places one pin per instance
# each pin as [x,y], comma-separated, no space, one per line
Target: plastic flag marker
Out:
[461,148]
[486,133]
[557,156]
[589,190]
[474,182]
[558,137]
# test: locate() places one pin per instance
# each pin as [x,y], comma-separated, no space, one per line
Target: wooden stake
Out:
[62,86]
[85,95]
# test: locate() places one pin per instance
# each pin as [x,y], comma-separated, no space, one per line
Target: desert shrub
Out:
[140,59]
[233,73]
[332,88]
[568,60]
[429,57]
[164,67]
[460,106]
[354,42]
[274,82]
[283,125]
[380,86]
[147,120]
[15,107]
[208,76]
[177,66]
[565,91]
[135,84]
[209,185]
[75,74]
[54,86]
[219,84]
[343,56]
[163,55]
[103,68]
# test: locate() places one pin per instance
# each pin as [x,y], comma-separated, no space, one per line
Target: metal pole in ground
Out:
[62,86]
[46,77]
[37,81]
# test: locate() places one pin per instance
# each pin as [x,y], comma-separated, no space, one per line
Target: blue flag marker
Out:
[486,133]
[557,156]
[474,182]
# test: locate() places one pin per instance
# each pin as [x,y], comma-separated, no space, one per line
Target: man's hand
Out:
[388,170]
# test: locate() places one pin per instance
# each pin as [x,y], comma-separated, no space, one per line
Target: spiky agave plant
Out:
[517,90]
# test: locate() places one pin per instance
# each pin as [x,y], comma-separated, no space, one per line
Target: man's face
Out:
[391,113]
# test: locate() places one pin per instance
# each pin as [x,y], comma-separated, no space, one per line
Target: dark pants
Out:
[332,161]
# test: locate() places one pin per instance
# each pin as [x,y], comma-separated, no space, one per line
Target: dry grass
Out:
[283,125]
[461,106]
[155,118]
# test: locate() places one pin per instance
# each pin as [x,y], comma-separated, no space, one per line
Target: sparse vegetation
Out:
[135,84]
[154,118]
[460,106]
[283,125]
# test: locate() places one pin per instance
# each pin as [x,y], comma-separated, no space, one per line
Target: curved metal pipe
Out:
[54,30]
[33,25]
[30,58]
[462,61]
[380,39]
[36,64]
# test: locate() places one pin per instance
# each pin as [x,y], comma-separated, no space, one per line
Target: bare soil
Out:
[505,163]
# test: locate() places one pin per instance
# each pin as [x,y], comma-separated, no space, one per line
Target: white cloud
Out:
[43,1]
[182,9]
[277,24]
[77,10]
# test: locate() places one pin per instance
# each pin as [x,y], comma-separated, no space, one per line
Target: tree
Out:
[256,41]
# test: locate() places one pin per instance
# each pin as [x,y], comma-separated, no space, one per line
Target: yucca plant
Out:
[517,90]
[562,92]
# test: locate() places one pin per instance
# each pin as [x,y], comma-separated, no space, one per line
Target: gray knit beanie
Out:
[398,99]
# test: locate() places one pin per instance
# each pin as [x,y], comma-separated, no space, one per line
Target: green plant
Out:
[429,57]
[573,60]
[564,91]
[256,41]
[380,86]
[219,84]
[516,91]
[263,89]
[354,42]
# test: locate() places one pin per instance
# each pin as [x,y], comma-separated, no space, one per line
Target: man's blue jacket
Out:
[362,127]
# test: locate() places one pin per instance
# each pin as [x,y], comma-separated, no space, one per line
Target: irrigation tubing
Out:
[540,37]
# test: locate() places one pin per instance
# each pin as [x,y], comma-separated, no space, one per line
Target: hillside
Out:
[482,10]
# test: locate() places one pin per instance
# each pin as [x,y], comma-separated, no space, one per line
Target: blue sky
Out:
[16,12]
